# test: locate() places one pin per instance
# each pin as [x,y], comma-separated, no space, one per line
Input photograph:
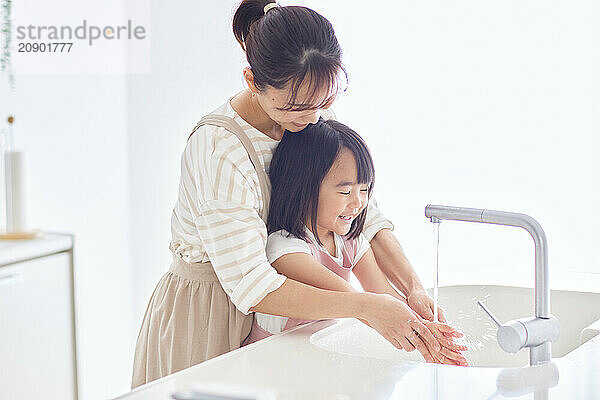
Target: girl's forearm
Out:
[394,264]
[372,278]
[387,288]
[378,283]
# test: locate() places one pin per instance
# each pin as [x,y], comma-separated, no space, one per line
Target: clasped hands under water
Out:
[434,340]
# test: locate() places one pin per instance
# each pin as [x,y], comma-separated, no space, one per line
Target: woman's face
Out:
[341,199]
[274,101]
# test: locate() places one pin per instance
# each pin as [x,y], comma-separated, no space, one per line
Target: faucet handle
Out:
[512,336]
[488,312]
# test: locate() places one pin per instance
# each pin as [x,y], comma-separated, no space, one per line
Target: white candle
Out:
[14,169]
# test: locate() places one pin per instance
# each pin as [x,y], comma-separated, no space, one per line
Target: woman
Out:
[202,307]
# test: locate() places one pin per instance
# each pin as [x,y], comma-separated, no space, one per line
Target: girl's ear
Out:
[249,78]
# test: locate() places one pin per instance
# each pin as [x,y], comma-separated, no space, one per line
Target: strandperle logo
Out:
[84,31]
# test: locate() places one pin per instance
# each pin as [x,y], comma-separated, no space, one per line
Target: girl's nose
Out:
[355,202]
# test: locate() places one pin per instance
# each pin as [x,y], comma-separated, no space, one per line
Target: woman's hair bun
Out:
[248,12]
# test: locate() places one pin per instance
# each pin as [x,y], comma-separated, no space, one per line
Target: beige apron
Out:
[190,318]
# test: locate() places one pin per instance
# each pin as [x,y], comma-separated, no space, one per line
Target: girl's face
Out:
[341,198]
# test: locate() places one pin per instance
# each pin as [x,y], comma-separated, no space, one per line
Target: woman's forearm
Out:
[387,315]
[298,300]
[393,263]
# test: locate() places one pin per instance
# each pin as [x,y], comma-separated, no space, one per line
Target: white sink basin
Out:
[578,313]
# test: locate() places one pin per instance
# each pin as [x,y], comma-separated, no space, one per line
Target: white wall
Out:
[480,104]
[486,105]
[73,128]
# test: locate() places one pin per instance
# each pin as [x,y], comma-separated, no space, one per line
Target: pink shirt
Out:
[348,253]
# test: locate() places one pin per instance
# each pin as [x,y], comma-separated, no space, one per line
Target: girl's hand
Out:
[400,326]
[423,305]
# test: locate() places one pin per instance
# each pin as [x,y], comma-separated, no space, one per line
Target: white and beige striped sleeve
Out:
[375,220]
[223,195]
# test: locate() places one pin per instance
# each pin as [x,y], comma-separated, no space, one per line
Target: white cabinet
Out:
[37,335]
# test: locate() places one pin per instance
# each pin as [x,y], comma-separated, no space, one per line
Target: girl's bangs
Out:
[365,169]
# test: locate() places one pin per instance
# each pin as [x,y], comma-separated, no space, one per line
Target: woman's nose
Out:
[312,118]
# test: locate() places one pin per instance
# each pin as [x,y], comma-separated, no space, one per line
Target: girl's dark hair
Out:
[299,165]
[288,46]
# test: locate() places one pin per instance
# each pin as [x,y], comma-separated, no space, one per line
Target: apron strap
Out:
[229,123]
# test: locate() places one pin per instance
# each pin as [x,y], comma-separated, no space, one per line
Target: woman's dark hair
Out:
[300,163]
[288,46]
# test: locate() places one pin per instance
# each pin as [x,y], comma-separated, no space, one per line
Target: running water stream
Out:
[473,343]
[436,245]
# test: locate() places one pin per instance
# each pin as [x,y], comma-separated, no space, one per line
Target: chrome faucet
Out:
[537,332]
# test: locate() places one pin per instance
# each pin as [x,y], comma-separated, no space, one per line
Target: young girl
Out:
[322,178]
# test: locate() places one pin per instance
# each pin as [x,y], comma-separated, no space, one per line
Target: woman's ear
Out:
[249,78]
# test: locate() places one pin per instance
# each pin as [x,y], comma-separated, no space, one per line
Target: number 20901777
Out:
[50,47]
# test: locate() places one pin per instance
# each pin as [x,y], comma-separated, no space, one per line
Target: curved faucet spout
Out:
[438,213]
[542,287]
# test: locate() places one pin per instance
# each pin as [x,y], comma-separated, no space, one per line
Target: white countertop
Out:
[13,251]
[296,369]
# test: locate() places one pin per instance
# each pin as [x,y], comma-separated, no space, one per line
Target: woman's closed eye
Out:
[348,193]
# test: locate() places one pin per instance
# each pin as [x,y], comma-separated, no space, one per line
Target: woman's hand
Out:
[423,305]
[420,302]
[400,326]
[406,330]
[450,352]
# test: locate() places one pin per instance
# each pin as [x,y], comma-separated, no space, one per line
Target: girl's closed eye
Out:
[348,192]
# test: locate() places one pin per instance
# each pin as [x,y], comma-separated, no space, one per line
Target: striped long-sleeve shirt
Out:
[217,214]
